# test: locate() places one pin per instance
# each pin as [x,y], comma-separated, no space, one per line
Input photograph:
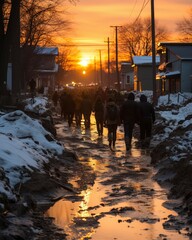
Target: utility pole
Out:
[117,68]
[108,65]
[153,51]
[101,76]
[95,70]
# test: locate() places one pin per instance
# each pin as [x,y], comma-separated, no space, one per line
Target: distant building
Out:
[175,70]
[38,63]
[126,76]
[45,67]
[143,77]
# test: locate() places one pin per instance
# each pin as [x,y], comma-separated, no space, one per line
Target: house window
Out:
[128,79]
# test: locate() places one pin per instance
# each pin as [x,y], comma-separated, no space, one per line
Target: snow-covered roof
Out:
[139,60]
[175,44]
[46,51]
[172,73]
[125,63]
[167,74]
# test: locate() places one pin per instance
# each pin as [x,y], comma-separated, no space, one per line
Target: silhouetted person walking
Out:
[32,85]
[70,109]
[99,114]
[112,120]
[128,114]
[55,98]
[146,119]
[78,109]
[86,107]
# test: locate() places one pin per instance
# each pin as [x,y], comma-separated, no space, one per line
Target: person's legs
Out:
[100,120]
[110,134]
[130,132]
[126,136]
[101,127]
[87,120]
[148,130]
[114,134]
[78,118]
[70,118]
[98,127]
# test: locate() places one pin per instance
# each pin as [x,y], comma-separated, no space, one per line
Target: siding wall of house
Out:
[171,57]
[186,85]
[178,57]
[144,75]
[176,65]
[182,51]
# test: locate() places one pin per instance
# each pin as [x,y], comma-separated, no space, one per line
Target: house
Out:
[38,63]
[143,74]
[175,70]
[126,74]
[45,67]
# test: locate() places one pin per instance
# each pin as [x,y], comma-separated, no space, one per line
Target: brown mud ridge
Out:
[25,219]
[175,174]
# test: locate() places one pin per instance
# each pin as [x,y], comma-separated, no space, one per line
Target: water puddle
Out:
[123,203]
[102,215]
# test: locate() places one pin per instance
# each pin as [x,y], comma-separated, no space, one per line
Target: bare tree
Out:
[66,61]
[184,28]
[40,21]
[135,38]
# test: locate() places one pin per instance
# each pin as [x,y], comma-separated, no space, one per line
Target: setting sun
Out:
[84,62]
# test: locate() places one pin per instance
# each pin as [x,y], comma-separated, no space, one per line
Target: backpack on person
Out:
[99,107]
[112,112]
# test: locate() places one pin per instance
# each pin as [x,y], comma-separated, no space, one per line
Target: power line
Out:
[132,9]
[84,45]
[142,8]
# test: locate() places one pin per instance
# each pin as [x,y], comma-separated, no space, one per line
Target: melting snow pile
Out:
[25,146]
[38,104]
[174,128]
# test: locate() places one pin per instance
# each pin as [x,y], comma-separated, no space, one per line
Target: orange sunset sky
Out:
[92,19]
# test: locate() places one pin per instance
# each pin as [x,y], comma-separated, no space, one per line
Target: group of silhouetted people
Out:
[141,113]
[111,110]
[74,104]
[127,112]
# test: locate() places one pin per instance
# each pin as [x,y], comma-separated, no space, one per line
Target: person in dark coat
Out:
[55,98]
[86,107]
[32,85]
[70,108]
[99,114]
[128,114]
[78,110]
[63,104]
[146,119]
[111,122]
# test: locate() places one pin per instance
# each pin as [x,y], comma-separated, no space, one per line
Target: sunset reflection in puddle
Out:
[124,202]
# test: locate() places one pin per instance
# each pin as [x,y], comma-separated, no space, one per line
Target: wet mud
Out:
[95,193]
[123,201]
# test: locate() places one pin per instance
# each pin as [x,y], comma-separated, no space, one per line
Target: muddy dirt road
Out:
[124,202]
